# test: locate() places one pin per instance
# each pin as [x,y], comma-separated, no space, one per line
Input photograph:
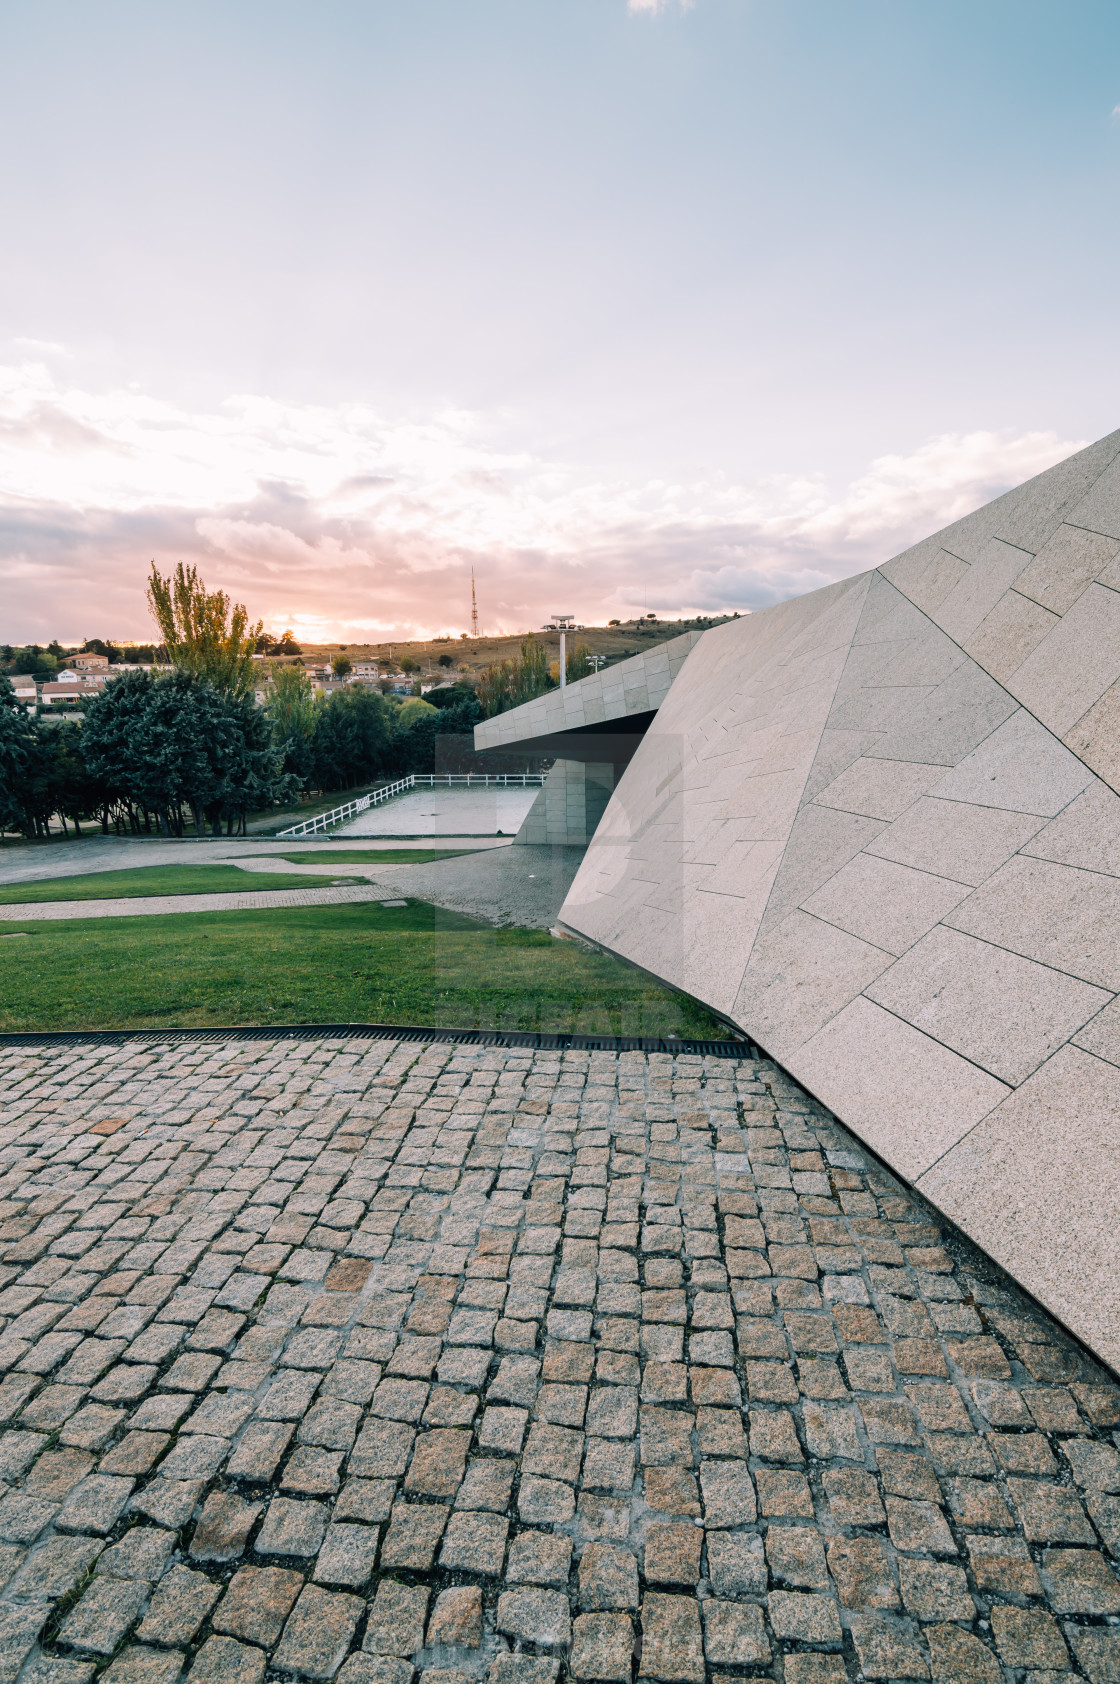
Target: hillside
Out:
[614,642]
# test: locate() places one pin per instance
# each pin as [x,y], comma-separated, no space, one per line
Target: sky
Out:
[627,305]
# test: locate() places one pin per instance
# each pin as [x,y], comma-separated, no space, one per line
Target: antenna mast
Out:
[474,608]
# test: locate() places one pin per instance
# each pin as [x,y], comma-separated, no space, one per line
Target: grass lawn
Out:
[376,856]
[155,880]
[330,964]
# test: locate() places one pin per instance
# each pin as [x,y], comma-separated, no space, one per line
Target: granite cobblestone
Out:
[366,1361]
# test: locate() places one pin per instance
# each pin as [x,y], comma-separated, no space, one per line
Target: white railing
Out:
[516,780]
[429,780]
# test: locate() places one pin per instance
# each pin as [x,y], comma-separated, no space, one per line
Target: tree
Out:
[530,674]
[456,699]
[111,737]
[340,666]
[245,765]
[409,665]
[205,634]
[414,708]
[286,646]
[512,682]
[579,663]
[41,770]
[33,661]
[17,742]
[494,688]
[292,712]
[437,734]
[159,745]
[97,646]
[353,734]
[414,745]
[32,805]
[75,793]
[445,661]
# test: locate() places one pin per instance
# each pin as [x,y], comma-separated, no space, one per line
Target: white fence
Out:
[415,780]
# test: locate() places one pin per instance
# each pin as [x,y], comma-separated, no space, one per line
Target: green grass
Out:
[330,964]
[155,880]
[376,856]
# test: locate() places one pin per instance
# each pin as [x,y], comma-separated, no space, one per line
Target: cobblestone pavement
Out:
[362,1359]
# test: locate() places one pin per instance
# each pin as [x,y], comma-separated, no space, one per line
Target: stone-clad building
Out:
[878,828]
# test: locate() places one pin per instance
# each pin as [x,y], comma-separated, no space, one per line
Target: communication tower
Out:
[474,608]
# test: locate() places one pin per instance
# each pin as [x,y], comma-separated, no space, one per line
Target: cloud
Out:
[347,524]
[46,426]
[652,7]
[41,347]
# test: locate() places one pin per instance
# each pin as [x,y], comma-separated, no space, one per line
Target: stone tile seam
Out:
[1016,952]
[1000,947]
[827,714]
[1063,521]
[872,573]
[1078,526]
[944,1046]
[1061,740]
[904,865]
[980,1121]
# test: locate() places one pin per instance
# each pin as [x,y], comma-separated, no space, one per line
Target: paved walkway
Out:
[508,886]
[351,1358]
[143,906]
[112,853]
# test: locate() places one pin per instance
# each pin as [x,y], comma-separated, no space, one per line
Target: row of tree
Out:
[506,684]
[161,754]
[192,748]
[34,660]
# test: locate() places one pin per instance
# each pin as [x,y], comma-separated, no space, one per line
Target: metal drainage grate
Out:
[384,1032]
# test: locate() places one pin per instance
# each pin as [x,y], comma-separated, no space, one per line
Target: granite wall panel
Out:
[877,828]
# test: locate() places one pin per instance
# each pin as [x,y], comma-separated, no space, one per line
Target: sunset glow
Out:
[346,525]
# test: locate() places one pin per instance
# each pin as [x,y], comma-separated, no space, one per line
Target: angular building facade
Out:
[877,828]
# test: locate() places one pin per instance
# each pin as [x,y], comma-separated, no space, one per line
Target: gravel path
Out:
[350,1358]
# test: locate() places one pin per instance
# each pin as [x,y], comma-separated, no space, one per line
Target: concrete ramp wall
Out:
[572,801]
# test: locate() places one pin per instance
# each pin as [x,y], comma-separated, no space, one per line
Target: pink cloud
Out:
[347,525]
